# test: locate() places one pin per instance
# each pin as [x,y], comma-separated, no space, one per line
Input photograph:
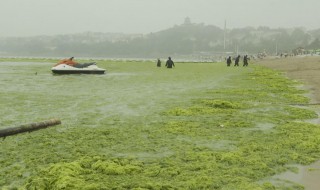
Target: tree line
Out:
[181,39]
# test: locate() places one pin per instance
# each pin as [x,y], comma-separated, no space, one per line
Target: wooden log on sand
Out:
[28,127]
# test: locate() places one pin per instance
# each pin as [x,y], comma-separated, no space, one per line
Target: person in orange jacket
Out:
[67,62]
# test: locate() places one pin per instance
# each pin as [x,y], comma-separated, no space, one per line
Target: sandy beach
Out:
[305,69]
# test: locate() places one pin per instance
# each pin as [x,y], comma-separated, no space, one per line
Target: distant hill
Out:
[180,40]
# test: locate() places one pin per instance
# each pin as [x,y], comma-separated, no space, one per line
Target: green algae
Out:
[221,104]
[208,139]
[204,107]
[74,175]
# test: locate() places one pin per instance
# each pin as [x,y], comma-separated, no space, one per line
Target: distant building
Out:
[187,21]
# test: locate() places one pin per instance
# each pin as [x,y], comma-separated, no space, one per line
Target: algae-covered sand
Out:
[197,126]
[305,69]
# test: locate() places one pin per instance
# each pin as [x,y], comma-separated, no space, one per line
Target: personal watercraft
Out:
[85,68]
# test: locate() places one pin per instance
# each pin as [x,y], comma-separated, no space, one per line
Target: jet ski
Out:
[84,68]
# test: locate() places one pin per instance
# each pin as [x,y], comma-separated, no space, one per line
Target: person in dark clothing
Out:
[158,63]
[236,62]
[169,63]
[229,61]
[245,61]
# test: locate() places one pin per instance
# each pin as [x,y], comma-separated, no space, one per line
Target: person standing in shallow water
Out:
[158,63]
[229,61]
[245,61]
[236,62]
[169,63]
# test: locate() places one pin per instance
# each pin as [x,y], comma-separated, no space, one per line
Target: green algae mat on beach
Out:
[196,126]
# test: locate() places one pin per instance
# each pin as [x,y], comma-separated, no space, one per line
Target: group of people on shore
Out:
[237,60]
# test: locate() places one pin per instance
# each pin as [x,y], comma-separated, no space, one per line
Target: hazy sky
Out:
[50,17]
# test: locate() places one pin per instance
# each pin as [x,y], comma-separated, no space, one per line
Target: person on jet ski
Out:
[73,63]
[67,62]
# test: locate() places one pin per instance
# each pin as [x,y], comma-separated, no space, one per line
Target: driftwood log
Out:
[28,127]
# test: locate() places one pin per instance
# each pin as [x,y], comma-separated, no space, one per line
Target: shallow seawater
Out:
[308,176]
[196,122]
[34,88]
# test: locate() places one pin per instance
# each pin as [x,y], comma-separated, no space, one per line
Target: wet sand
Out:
[307,70]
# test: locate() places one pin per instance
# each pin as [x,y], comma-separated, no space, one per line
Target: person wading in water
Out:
[236,62]
[169,63]
[158,63]
[229,61]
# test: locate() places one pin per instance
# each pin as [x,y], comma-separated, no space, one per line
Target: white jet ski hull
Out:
[67,69]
